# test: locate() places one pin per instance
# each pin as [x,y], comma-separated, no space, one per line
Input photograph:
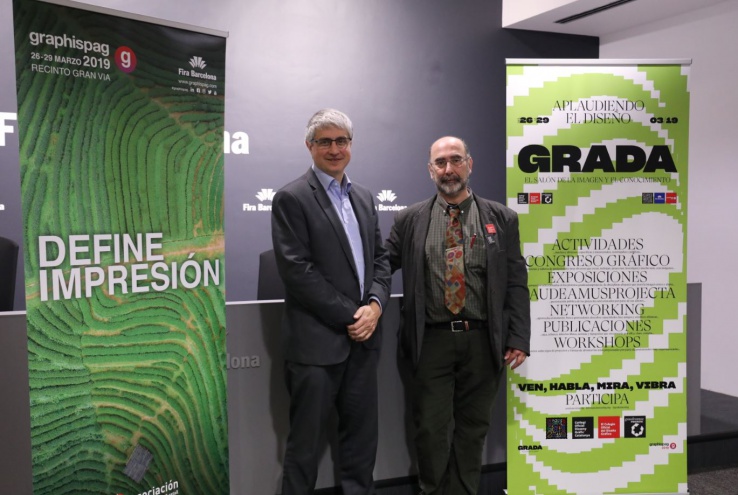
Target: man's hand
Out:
[366,322]
[514,358]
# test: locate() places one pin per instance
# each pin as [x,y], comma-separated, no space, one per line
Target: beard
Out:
[450,185]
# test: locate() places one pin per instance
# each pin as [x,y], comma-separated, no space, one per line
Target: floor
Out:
[712,456]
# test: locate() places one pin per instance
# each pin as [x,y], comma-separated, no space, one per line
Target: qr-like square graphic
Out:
[647,198]
[556,428]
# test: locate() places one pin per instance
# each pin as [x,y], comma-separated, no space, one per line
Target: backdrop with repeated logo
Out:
[400,80]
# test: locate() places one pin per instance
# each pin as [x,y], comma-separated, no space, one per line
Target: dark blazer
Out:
[315,263]
[508,303]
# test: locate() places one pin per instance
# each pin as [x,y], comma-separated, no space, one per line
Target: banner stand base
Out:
[600,493]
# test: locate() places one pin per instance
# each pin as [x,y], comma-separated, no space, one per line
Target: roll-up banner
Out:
[121,158]
[597,171]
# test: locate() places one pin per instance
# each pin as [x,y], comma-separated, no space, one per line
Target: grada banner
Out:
[597,170]
[121,160]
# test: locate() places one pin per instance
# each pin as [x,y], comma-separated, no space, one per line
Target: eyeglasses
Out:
[455,161]
[325,143]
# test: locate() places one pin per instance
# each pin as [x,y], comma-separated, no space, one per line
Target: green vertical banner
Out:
[121,161]
[597,171]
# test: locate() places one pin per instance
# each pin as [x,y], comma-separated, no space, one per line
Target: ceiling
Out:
[541,15]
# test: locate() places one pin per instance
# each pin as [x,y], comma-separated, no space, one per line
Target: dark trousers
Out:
[349,387]
[453,388]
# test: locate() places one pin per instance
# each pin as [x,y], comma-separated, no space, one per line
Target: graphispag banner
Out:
[121,158]
[597,171]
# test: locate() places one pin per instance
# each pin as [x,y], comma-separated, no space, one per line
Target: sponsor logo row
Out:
[607,427]
[547,198]
[659,198]
[535,198]
[584,427]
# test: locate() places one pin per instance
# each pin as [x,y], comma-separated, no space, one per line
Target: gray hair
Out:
[466,146]
[328,117]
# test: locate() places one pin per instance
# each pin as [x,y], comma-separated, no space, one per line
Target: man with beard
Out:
[466,315]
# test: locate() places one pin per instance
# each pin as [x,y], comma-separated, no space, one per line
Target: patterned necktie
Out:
[455,288]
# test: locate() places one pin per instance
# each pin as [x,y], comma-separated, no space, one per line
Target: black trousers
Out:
[453,388]
[351,388]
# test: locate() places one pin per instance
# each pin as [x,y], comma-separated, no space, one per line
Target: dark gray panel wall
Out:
[406,71]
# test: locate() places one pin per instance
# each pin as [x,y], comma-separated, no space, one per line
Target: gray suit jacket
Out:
[508,303]
[315,263]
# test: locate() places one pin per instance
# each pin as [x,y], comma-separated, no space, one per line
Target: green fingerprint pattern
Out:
[127,155]
[622,465]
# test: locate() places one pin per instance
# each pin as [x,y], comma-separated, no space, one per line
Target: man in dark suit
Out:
[335,270]
[461,327]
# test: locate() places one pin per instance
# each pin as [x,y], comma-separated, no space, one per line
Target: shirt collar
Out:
[463,206]
[326,180]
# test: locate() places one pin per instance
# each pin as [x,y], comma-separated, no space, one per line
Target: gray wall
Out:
[712,239]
